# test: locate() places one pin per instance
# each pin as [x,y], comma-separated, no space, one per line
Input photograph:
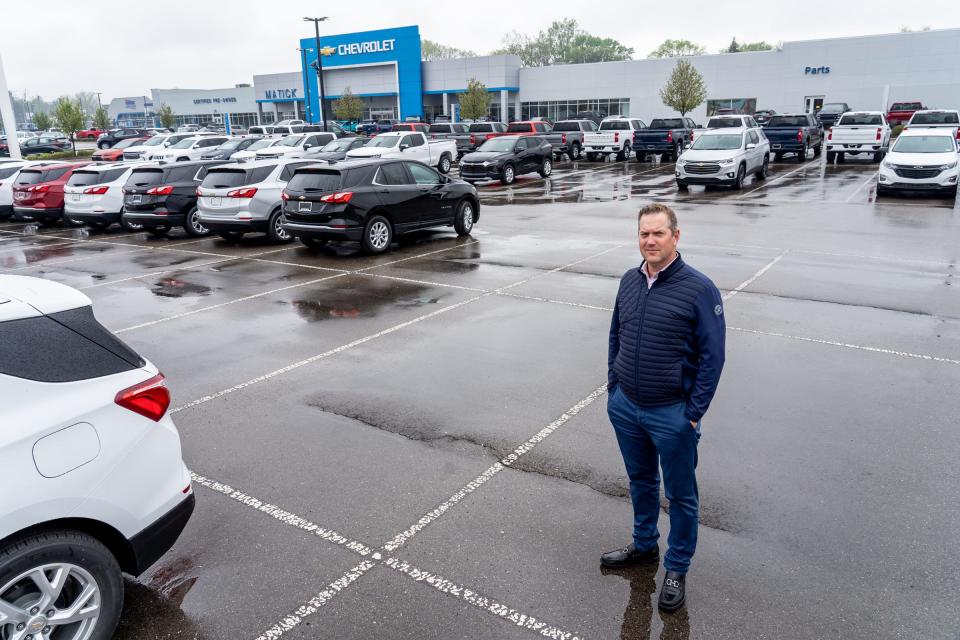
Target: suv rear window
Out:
[63,347]
[226,178]
[37,176]
[481,128]
[666,123]
[86,178]
[315,180]
[145,177]
[6,172]
[615,125]
[788,121]
[861,119]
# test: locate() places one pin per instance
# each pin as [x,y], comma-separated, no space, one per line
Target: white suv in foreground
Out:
[94,481]
[921,160]
[724,157]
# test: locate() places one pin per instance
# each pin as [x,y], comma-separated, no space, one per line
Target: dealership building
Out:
[384,69]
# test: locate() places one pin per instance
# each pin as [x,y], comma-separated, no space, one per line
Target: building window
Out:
[746,106]
[564,109]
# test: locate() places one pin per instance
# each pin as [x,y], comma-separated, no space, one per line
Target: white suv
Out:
[921,160]
[95,484]
[188,149]
[93,194]
[724,157]
[296,143]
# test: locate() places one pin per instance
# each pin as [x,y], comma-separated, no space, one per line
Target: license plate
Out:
[75,197]
[134,199]
[215,202]
[776,146]
[306,206]
[596,147]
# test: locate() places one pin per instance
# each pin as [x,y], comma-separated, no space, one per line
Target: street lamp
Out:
[306,85]
[316,26]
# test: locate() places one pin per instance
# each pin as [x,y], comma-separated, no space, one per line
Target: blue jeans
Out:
[646,434]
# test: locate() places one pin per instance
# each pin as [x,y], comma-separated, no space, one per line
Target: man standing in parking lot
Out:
[666,354]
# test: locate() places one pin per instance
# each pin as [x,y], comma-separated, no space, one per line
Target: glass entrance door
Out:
[813,104]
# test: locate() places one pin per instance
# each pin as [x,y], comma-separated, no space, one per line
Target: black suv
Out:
[507,157]
[371,201]
[112,137]
[163,197]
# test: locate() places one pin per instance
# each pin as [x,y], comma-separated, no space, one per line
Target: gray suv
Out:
[245,198]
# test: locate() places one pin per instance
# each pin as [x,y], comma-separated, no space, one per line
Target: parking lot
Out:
[415,445]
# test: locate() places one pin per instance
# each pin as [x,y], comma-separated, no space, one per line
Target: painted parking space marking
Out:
[862,185]
[768,182]
[746,283]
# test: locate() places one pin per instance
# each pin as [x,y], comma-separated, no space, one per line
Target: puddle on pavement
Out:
[173,287]
[364,299]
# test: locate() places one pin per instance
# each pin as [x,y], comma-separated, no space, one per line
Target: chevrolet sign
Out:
[375,46]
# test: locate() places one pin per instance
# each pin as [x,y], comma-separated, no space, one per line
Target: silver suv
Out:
[245,198]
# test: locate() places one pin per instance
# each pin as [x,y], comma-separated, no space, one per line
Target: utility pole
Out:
[323,111]
[99,104]
[306,85]
[6,114]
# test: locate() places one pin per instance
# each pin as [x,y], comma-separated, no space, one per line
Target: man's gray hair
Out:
[652,209]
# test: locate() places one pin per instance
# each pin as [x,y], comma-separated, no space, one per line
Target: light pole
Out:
[99,104]
[306,85]
[316,26]
[9,120]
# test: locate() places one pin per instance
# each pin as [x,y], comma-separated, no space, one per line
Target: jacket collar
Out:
[671,269]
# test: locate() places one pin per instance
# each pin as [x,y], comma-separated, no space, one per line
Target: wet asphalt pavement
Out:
[347,416]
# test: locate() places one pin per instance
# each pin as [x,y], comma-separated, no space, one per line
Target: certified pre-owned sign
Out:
[373,46]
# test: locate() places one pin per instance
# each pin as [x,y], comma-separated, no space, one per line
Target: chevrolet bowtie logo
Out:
[303,197]
[328,51]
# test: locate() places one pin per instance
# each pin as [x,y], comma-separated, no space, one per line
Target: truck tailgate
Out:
[651,136]
[603,139]
[854,134]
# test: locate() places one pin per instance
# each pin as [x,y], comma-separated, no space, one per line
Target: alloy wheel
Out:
[467,217]
[379,234]
[59,600]
[278,229]
[195,223]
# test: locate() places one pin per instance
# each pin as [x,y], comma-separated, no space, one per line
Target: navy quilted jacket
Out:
[667,341]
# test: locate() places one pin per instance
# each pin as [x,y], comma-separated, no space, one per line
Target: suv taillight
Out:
[39,188]
[160,191]
[242,193]
[150,398]
[341,197]
[96,191]
[284,196]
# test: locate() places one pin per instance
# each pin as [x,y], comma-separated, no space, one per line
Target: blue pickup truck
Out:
[664,135]
[794,133]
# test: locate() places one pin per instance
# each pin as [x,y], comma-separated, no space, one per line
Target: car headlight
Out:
[681,161]
[727,161]
[952,165]
[487,163]
[886,164]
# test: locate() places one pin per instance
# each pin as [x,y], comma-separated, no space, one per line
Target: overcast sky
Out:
[126,48]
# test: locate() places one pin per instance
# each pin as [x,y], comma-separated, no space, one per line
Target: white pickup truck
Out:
[859,132]
[409,145]
[614,136]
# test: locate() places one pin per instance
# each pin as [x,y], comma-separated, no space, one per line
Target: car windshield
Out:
[185,144]
[129,142]
[261,144]
[944,117]
[498,144]
[153,142]
[337,145]
[384,141]
[833,107]
[722,142]
[230,145]
[724,123]
[924,144]
[666,123]
[291,141]
[866,119]
[567,126]
[906,106]
[788,121]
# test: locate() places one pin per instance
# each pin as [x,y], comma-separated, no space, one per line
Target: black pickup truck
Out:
[664,135]
[794,133]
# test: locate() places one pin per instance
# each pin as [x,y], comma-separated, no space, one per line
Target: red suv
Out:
[38,191]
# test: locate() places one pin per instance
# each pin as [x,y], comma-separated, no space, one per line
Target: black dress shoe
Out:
[673,592]
[629,557]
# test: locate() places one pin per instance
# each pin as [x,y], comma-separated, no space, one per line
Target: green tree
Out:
[733,48]
[349,107]
[475,102]
[69,116]
[101,119]
[430,50]
[564,42]
[685,89]
[167,117]
[42,120]
[763,45]
[676,49]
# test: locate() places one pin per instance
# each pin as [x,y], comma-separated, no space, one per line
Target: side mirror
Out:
[751,146]
[686,146]
[404,147]
[307,146]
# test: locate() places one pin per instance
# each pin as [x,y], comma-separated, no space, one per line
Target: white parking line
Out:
[848,345]
[434,514]
[333,589]
[33,246]
[746,283]
[862,185]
